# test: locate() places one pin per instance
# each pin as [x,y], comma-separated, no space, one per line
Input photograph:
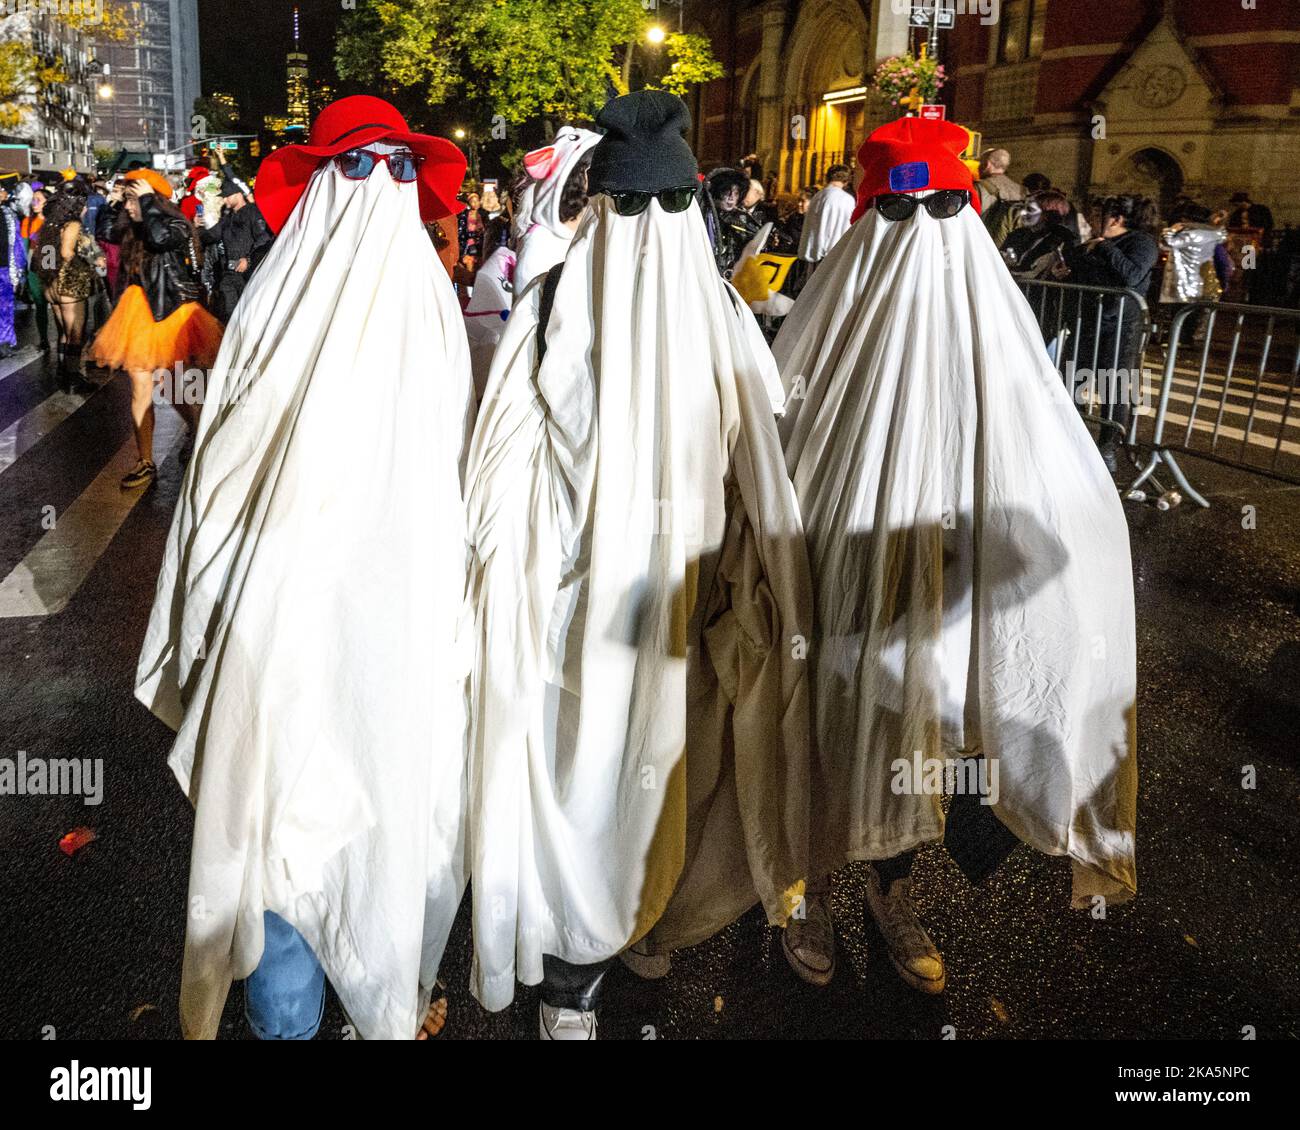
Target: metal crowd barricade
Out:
[1252,416]
[1070,316]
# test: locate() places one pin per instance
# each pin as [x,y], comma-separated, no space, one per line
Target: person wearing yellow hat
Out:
[159,320]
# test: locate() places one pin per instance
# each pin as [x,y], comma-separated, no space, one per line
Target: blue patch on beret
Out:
[909,177]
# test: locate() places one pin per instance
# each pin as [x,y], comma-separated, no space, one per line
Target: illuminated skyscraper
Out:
[298,102]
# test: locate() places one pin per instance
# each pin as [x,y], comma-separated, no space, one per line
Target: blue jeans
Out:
[284,997]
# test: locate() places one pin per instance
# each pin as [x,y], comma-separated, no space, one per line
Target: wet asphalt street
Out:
[92,943]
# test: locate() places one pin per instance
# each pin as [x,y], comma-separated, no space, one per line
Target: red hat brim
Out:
[283,176]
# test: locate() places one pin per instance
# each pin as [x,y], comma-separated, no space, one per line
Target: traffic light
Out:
[255,148]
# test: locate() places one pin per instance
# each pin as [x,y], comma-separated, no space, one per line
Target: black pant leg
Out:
[975,838]
[900,867]
[565,985]
[228,291]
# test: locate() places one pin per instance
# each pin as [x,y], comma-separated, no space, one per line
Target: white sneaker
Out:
[809,942]
[910,948]
[647,966]
[565,1023]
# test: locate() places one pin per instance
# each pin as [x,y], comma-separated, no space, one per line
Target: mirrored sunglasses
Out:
[357,164]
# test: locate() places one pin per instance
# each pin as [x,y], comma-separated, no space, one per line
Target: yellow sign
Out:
[760,275]
[970,156]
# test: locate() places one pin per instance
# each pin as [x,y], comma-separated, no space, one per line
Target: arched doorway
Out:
[1149,172]
[824,90]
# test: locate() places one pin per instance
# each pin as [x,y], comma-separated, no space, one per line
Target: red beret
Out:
[912,155]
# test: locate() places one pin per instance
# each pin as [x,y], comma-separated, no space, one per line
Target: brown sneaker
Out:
[144,473]
[808,941]
[910,949]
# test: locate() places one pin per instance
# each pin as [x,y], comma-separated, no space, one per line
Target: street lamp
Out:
[105,91]
[460,133]
[654,35]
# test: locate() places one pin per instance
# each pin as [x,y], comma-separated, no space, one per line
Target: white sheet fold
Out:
[971,555]
[638,555]
[303,641]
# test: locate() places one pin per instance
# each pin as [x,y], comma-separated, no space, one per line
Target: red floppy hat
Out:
[353,123]
[911,155]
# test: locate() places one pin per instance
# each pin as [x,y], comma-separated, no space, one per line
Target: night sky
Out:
[242,47]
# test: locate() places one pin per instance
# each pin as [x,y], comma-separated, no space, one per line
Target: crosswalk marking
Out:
[20,360]
[27,431]
[1210,399]
[1243,383]
[48,577]
[46,580]
[1226,431]
[1207,411]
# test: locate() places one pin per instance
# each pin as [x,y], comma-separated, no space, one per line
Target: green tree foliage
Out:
[521,59]
[24,72]
[216,116]
[692,62]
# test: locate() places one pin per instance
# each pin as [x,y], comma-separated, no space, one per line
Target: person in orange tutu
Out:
[159,320]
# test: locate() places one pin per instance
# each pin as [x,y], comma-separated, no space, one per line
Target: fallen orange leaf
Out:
[76,839]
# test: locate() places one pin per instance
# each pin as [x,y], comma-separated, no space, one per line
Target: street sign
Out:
[922,14]
[227,145]
[933,111]
[15,159]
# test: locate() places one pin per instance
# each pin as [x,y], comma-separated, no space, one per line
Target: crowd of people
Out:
[132,272]
[634,618]
[555,653]
[740,214]
[653,609]
[1121,242]
[1193,252]
[90,257]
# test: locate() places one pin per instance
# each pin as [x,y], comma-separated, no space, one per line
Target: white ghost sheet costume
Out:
[828,217]
[540,237]
[303,641]
[641,584]
[487,310]
[969,551]
[543,239]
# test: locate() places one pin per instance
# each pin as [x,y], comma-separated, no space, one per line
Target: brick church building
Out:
[1154,96]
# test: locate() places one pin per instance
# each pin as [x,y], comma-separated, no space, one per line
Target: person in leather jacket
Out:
[159,329]
[244,239]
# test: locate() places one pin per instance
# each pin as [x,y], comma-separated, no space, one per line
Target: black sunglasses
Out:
[942,205]
[670,200]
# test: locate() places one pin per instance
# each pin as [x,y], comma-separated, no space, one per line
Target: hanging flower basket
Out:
[897,75]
